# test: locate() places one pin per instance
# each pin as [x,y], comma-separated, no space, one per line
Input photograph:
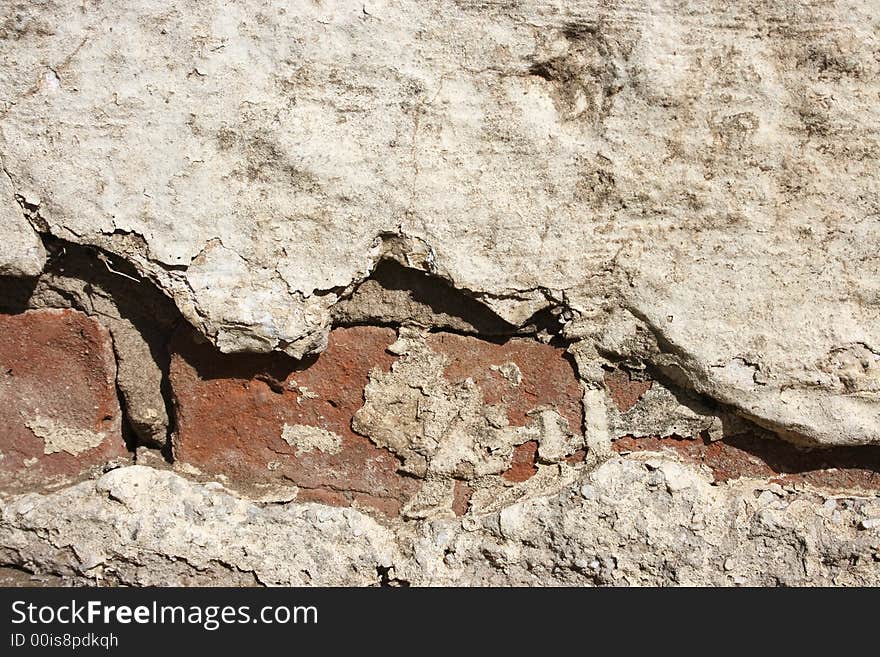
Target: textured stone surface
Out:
[703,171]
[632,521]
[187,534]
[139,379]
[591,260]
[238,417]
[21,252]
[59,415]
[393,422]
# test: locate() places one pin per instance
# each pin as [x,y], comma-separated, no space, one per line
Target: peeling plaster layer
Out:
[306,439]
[711,168]
[59,438]
[444,433]
[624,524]
[21,252]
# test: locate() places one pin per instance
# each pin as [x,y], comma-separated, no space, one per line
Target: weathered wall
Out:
[432,292]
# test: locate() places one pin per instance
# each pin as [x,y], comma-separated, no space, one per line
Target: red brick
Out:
[750,455]
[461,497]
[548,378]
[578,457]
[322,496]
[522,465]
[625,391]
[56,367]
[231,411]
[387,505]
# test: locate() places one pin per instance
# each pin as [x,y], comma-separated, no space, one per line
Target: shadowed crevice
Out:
[394,294]
[755,454]
[106,287]
[15,293]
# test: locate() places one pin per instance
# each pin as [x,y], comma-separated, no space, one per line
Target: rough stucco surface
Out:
[21,252]
[603,155]
[646,522]
[687,189]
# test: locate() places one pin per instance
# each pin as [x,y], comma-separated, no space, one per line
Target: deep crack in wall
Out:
[432,293]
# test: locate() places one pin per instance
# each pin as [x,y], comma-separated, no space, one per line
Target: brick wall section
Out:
[57,395]
[625,391]
[548,378]
[232,410]
[60,418]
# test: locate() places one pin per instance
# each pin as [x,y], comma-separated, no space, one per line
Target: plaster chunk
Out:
[510,371]
[21,251]
[307,438]
[543,283]
[60,438]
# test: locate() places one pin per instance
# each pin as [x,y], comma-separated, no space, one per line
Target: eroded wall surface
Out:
[440,292]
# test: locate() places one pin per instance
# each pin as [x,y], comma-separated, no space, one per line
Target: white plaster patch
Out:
[444,431]
[187,468]
[510,371]
[306,439]
[61,438]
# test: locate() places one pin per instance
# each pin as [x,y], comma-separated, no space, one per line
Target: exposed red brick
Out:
[58,366]
[578,457]
[625,391]
[461,497]
[523,464]
[548,378]
[747,455]
[387,505]
[232,410]
[322,496]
